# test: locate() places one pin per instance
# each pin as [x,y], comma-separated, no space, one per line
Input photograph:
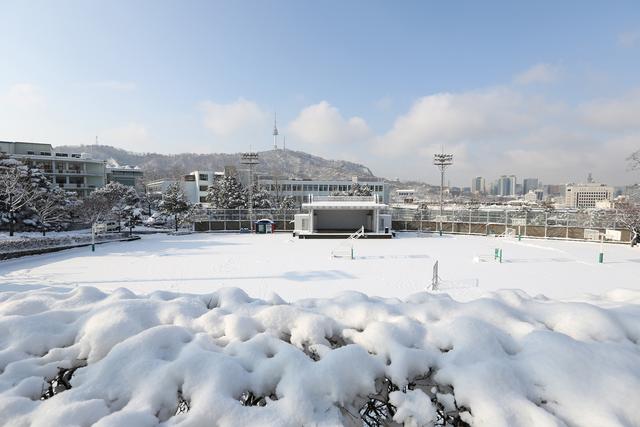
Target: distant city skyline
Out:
[549,90]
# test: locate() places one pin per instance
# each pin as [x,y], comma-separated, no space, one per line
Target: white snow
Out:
[504,360]
[311,350]
[294,268]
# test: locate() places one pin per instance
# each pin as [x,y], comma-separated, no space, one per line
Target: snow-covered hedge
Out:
[120,359]
[29,243]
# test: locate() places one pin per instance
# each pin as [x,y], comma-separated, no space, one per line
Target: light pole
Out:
[250,159]
[442,160]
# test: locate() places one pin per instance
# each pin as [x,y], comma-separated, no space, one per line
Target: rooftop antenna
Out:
[275,132]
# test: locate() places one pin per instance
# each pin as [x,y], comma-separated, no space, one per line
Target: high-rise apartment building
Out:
[529,184]
[507,185]
[478,185]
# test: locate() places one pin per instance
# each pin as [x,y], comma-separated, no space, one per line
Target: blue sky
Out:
[548,89]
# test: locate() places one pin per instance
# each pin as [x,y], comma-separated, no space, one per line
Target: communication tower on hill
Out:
[275,132]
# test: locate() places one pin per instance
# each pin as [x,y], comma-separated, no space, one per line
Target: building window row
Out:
[315,187]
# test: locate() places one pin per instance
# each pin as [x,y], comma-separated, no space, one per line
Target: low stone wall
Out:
[17,253]
[538,231]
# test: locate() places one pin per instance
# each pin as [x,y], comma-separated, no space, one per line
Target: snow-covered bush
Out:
[229,360]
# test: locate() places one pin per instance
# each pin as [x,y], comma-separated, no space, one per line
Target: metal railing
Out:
[464,219]
[244,214]
[512,217]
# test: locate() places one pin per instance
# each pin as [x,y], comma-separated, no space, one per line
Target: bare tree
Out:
[52,207]
[629,217]
[113,200]
[634,160]
[16,189]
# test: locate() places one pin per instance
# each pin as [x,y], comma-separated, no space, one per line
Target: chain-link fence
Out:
[528,222]
[238,219]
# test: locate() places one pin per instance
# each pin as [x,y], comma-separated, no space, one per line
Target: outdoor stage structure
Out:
[341,216]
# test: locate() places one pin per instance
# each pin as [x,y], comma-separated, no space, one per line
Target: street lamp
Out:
[442,160]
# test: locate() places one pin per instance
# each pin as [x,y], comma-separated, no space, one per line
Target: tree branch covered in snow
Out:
[25,190]
[634,160]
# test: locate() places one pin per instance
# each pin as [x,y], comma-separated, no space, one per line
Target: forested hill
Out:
[290,163]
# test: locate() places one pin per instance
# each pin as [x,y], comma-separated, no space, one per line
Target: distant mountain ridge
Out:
[294,164]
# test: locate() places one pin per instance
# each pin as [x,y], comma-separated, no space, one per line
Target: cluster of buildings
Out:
[77,172]
[81,173]
[508,190]
[580,196]
[196,186]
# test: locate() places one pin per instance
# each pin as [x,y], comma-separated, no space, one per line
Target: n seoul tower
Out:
[275,133]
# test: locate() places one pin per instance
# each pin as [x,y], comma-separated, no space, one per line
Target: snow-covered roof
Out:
[344,205]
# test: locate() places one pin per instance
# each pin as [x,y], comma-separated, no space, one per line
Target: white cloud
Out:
[238,117]
[614,114]
[448,118]
[539,73]
[629,39]
[24,96]
[322,124]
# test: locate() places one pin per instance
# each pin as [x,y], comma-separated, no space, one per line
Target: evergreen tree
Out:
[359,190]
[261,198]
[288,203]
[227,193]
[175,203]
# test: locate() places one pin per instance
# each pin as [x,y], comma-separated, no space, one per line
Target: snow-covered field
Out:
[180,347]
[292,268]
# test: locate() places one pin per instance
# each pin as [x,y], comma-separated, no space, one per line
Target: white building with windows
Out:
[125,175]
[406,195]
[587,195]
[76,172]
[196,185]
[301,190]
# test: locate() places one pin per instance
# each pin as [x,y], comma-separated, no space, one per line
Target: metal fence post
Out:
[506,221]
[486,229]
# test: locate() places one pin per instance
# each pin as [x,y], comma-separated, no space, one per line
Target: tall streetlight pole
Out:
[442,160]
[250,159]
